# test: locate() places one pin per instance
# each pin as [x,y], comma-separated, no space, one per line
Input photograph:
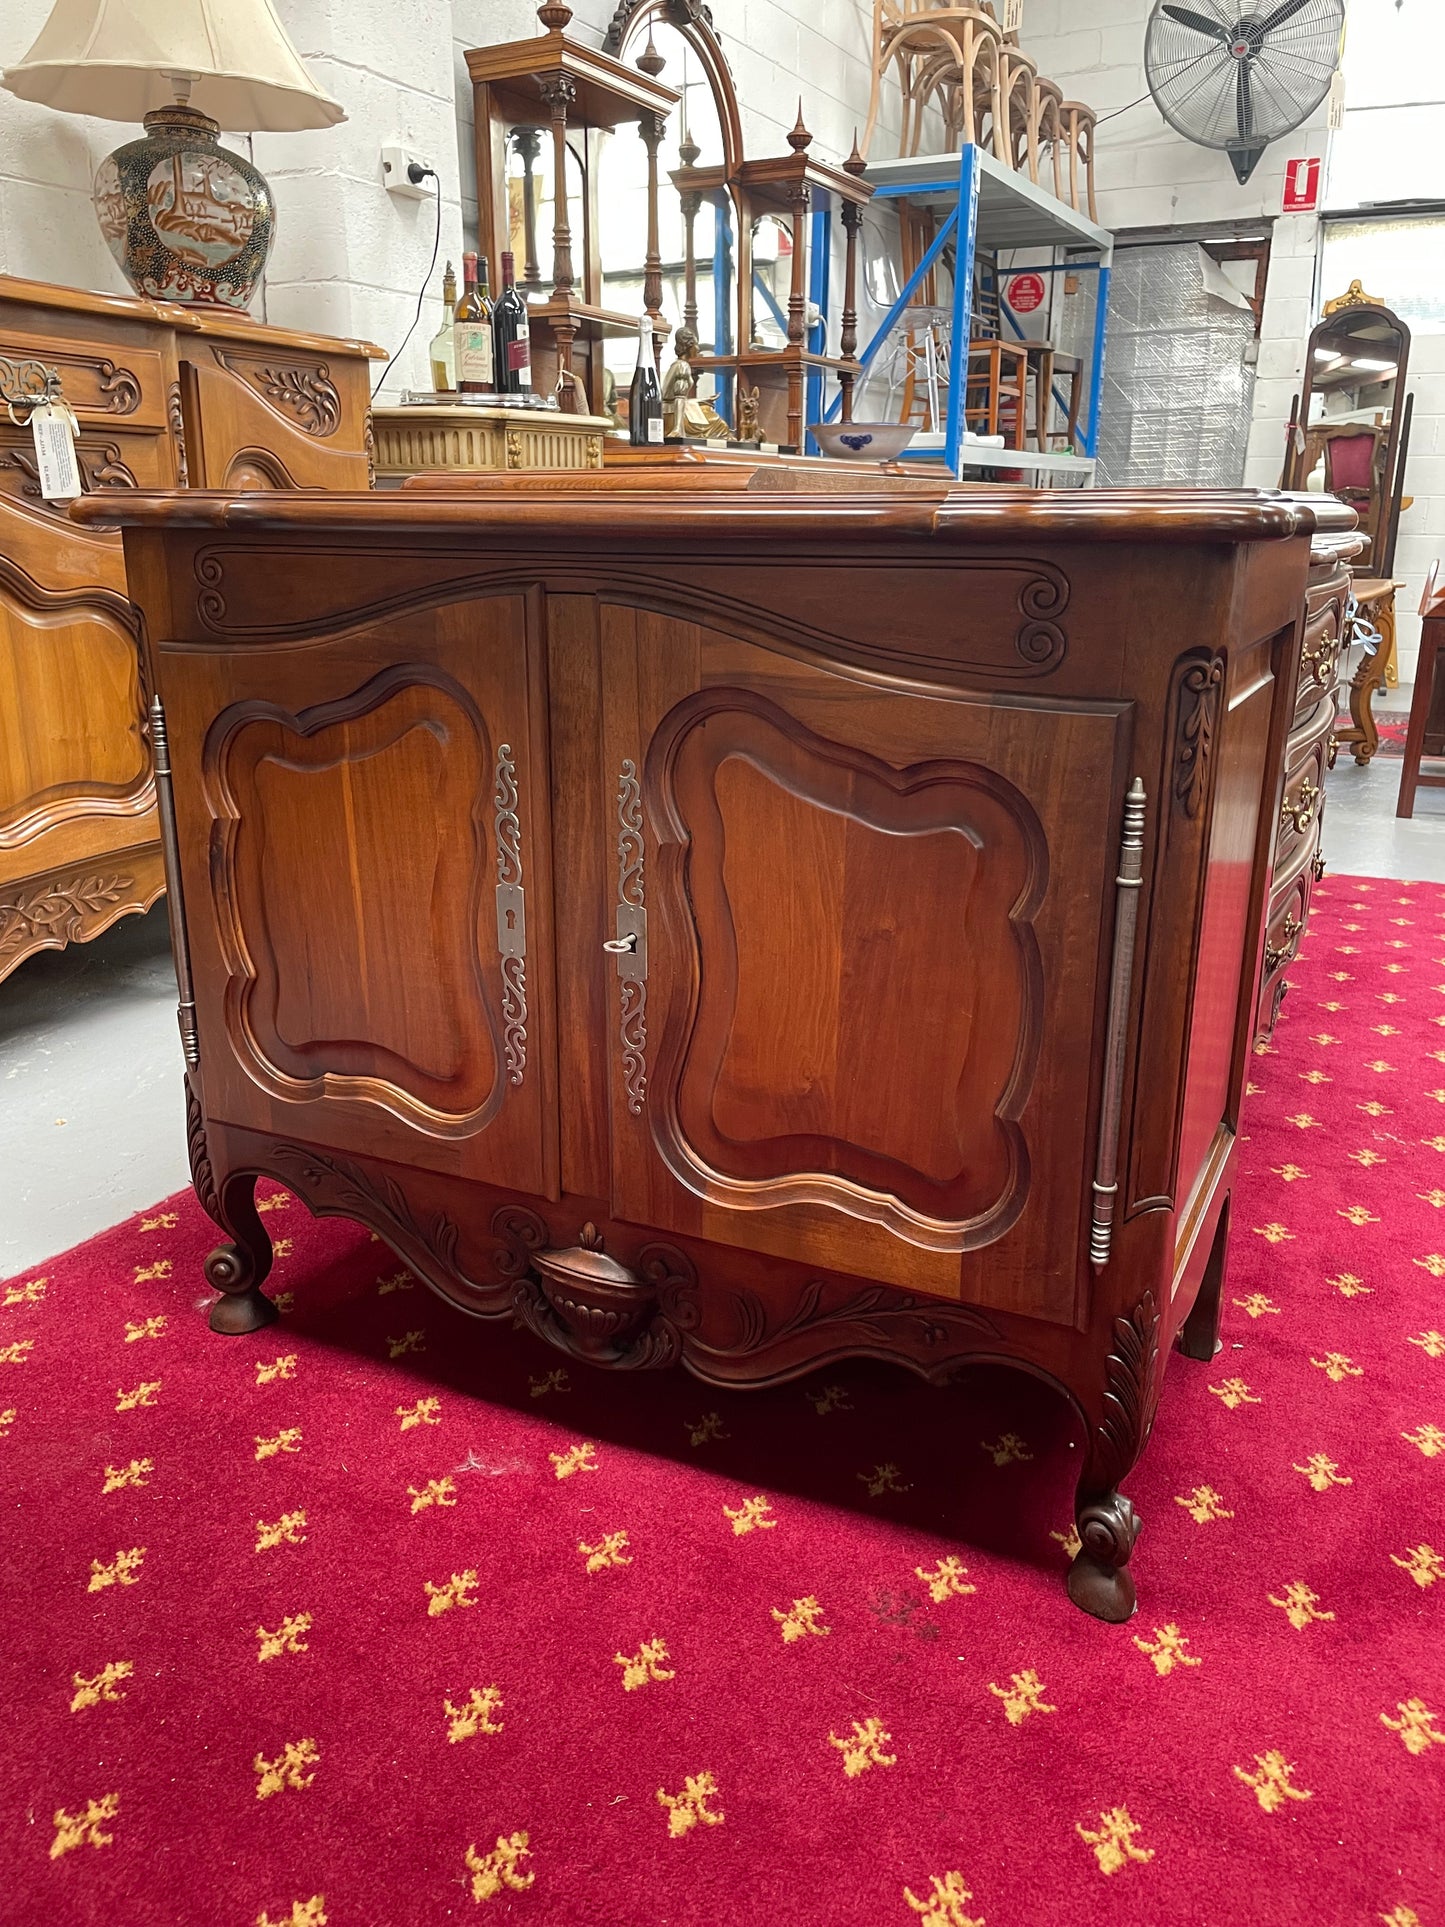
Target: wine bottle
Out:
[644,411]
[442,353]
[475,369]
[512,330]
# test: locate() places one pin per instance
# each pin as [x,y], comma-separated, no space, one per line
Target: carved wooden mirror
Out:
[1350,428]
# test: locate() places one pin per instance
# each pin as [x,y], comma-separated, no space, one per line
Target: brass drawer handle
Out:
[1301,813]
[1273,959]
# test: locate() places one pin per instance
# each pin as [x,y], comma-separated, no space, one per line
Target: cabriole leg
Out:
[238,1269]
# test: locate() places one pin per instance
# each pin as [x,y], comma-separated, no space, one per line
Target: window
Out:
[1390,148]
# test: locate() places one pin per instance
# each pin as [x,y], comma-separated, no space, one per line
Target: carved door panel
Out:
[367,890]
[258,421]
[856,1013]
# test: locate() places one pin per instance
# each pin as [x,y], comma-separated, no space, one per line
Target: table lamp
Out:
[186,219]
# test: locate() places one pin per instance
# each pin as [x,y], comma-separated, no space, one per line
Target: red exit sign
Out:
[1301,187]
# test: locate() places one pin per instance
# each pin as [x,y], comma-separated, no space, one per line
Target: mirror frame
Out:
[1376,522]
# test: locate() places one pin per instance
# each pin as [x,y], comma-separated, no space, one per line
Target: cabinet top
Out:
[760,509]
[229,323]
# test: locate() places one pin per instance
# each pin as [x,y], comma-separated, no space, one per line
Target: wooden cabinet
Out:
[164,396]
[725,924]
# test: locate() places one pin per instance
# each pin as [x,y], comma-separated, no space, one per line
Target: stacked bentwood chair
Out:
[964,81]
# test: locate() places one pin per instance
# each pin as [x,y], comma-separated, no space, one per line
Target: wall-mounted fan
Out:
[1237,77]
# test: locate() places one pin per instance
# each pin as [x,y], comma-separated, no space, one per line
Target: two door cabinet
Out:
[728,923]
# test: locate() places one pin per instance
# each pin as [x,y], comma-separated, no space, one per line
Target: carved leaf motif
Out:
[309,393]
[1129,1391]
[875,1313]
[177,422]
[1199,689]
[58,907]
[202,1176]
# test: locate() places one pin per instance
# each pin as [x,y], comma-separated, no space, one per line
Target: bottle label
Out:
[519,356]
[474,353]
[654,428]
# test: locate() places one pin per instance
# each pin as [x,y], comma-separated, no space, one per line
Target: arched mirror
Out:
[1347,435]
[532,203]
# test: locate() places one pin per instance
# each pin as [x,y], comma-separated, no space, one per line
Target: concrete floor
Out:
[92,1123]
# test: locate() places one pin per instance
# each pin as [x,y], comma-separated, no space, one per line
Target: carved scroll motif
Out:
[632,929]
[1126,919]
[120,389]
[1199,689]
[681,13]
[100,467]
[1041,640]
[511,917]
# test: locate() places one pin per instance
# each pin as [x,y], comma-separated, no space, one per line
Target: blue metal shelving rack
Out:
[988,206]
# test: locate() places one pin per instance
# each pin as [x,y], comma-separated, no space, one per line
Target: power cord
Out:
[416,174]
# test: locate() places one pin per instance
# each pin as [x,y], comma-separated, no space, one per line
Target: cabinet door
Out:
[364,850]
[860,978]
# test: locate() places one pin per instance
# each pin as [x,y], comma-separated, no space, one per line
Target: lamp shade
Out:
[114,59]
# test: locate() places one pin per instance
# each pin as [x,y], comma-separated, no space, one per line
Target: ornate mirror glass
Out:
[1347,435]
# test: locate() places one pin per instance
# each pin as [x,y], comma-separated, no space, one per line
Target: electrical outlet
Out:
[397,164]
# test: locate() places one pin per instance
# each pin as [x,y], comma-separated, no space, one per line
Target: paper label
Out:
[519,353]
[54,429]
[474,354]
[654,428]
[1337,101]
[1013,13]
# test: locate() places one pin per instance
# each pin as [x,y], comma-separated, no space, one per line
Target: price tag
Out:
[55,428]
[1013,13]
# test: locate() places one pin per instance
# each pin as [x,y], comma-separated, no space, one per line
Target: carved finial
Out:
[800,137]
[650,60]
[688,151]
[554,15]
[590,1238]
[855,163]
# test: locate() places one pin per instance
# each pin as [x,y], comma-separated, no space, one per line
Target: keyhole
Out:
[511,921]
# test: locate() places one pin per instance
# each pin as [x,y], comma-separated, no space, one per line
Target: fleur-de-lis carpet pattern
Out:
[380,1618]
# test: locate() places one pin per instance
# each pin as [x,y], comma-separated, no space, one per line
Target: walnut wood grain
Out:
[158,408]
[818,801]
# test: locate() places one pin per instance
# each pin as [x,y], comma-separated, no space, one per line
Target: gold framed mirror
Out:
[1346,435]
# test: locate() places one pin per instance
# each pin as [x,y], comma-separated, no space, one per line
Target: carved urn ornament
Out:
[186,219]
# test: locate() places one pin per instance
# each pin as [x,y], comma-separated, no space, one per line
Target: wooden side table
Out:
[1375,601]
[1432,640]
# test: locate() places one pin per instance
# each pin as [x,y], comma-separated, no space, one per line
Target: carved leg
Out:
[1199,1334]
[1108,1525]
[1099,1579]
[1366,680]
[238,1269]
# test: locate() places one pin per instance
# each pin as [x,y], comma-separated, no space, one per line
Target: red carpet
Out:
[381,1619]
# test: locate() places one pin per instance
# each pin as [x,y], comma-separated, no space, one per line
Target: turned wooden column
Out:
[848,335]
[689,153]
[527,143]
[559,93]
[652,127]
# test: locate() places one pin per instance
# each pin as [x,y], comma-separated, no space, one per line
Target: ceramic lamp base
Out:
[186,219]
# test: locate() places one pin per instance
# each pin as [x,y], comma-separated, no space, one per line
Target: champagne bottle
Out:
[512,330]
[644,412]
[473,333]
[442,353]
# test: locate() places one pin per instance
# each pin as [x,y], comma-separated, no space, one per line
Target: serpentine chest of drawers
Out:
[731,926]
[165,396]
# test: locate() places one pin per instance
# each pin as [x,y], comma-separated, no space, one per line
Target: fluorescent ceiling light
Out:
[1382,367]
